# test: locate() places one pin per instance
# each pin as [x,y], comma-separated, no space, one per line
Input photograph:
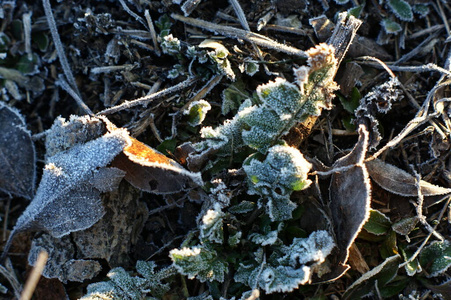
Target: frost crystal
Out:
[283,171]
[171,45]
[123,286]
[285,273]
[211,229]
[199,262]
[281,106]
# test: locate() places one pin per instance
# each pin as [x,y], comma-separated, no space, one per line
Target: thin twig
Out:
[65,86]
[153,34]
[59,46]
[131,13]
[146,99]
[252,37]
[7,271]
[35,274]
[26,19]
[421,69]
[419,249]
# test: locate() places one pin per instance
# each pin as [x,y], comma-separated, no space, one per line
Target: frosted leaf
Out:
[66,201]
[287,268]
[282,105]
[272,279]
[391,26]
[126,287]
[436,258]
[242,207]
[283,279]
[199,262]
[219,57]
[197,111]
[60,263]
[212,225]
[349,196]
[109,240]
[268,237]
[17,154]
[376,278]
[400,182]
[65,134]
[401,9]
[315,248]
[170,45]
[283,171]
[280,96]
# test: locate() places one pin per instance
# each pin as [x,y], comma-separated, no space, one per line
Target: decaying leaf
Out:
[17,154]
[68,197]
[349,200]
[61,263]
[151,171]
[400,182]
[111,240]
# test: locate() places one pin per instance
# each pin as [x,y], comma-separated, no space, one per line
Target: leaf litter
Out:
[102,188]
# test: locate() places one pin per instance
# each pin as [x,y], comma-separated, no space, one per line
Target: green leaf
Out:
[405,226]
[435,259]
[233,96]
[355,11]
[421,9]
[391,26]
[26,65]
[197,111]
[199,262]
[389,246]
[351,104]
[413,266]
[378,223]
[167,147]
[41,39]
[401,9]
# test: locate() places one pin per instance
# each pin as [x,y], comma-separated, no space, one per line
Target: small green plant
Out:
[274,171]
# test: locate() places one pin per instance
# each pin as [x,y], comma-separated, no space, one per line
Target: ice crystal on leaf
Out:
[287,267]
[211,229]
[199,262]
[313,249]
[281,106]
[126,287]
[283,171]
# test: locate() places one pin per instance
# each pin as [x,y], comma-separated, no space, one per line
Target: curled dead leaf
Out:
[349,202]
[399,182]
[151,171]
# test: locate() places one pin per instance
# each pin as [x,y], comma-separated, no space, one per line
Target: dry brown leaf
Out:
[400,182]
[151,171]
[349,200]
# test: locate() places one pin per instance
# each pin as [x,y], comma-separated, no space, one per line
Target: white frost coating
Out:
[283,171]
[65,200]
[313,249]
[185,251]
[210,217]
[212,228]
